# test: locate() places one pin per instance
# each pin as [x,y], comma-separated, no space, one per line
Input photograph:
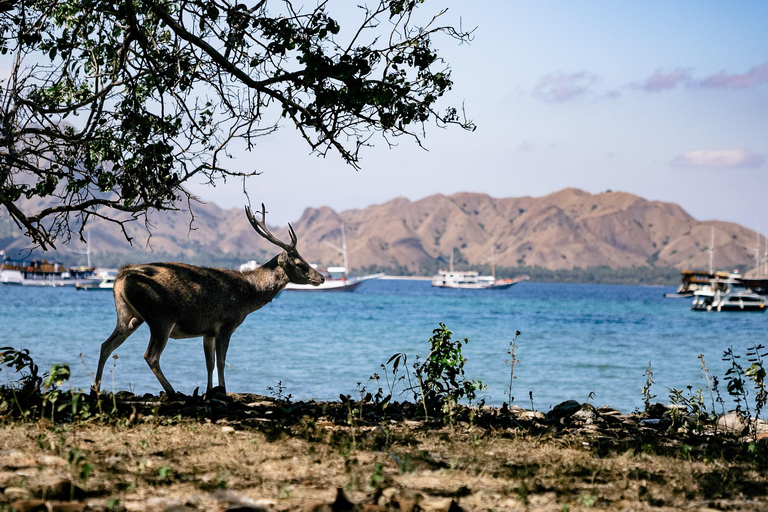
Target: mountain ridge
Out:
[566,229]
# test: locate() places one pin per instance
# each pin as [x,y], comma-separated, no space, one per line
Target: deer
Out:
[178,300]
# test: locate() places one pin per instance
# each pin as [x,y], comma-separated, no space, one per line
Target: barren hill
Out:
[566,229]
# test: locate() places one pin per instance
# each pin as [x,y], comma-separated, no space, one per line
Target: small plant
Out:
[441,375]
[278,392]
[79,466]
[735,378]
[692,402]
[377,478]
[586,499]
[438,382]
[756,373]
[647,396]
[512,362]
[164,472]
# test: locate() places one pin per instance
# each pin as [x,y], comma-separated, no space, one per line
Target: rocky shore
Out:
[250,452]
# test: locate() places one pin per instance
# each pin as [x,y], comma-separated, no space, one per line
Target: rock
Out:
[227,429]
[531,415]
[6,477]
[16,493]
[341,504]
[608,411]
[55,487]
[67,507]
[439,505]
[586,413]
[732,423]
[564,409]
[52,460]
[29,506]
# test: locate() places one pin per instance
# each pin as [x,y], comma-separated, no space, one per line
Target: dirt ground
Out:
[248,452]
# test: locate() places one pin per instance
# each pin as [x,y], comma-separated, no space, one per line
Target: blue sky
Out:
[667,100]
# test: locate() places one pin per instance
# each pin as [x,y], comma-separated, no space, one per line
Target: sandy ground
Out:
[248,452]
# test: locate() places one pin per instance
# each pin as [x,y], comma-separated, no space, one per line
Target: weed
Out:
[376,479]
[164,472]
[692,402]
[512,362]
[79,466]
[647,396]
[440,382]
[756,373]
[278,392]
[586,499]
[735,376]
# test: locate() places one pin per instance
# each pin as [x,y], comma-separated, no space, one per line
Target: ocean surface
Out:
[576,340]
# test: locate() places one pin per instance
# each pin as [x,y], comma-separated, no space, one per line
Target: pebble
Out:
[15,493]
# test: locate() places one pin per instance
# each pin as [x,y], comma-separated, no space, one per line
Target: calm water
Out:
[575,339]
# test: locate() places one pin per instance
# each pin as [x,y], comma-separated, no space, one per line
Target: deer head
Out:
[296,268]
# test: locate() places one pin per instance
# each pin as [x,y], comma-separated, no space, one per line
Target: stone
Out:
[564,409]
[16,493]
[438,505]
[731,423]
[29,506]
[586,413]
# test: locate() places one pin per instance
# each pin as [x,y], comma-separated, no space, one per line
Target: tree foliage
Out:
[112,105]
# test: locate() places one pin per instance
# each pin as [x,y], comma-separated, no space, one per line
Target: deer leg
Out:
[118,336]
[157,341]
[222,345]
[209,347]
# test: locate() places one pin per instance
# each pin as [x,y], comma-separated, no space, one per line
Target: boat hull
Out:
[332,285]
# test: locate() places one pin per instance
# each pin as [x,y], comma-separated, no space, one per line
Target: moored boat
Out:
[107,282]
[727,294]
[472,280]
[336,280]
[44,273]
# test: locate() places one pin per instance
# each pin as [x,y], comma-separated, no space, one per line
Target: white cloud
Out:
[755,76]
[660,81]
[561,87]
[721,159]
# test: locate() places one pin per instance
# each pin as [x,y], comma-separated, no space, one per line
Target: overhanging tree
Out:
[111,106]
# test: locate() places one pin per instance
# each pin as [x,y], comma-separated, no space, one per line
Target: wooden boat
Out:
[44,273]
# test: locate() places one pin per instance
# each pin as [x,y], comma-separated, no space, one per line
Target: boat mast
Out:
[712,252]
[757,252]
[343,248]
[451,260]
[87,251]
[493,261]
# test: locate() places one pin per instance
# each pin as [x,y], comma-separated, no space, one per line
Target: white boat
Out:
[727,294]
[336,280]
[472,280]
[107,282]
[44,273]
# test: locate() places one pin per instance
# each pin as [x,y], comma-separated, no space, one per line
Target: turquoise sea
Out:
[576,339]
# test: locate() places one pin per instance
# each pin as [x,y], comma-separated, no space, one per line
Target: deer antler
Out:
[261,229]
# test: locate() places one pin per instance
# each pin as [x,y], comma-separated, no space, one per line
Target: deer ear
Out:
[282,259]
